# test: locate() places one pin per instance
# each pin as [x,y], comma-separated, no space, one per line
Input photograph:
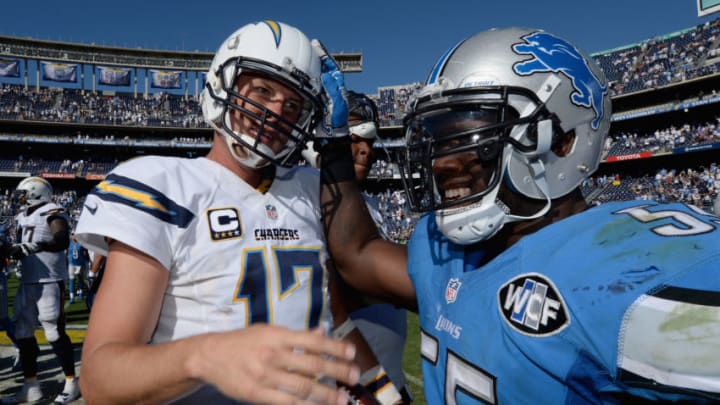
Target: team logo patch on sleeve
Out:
[126,191]
[531,304]
[224,223]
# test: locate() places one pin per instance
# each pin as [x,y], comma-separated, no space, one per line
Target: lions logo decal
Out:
[552,54]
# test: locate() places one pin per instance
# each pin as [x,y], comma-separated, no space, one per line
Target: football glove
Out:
[335,122]
[20,250]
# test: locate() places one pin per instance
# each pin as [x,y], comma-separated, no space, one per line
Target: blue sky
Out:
[400,39]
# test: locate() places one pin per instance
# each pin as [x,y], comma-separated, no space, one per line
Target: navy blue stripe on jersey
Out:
[134,194]
[634,380]
[689,295]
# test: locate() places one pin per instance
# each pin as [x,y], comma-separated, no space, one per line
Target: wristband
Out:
[343,330]
[336,162]
[379,384]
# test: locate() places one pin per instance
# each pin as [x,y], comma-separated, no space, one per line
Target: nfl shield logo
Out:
[451,291]
[271,211]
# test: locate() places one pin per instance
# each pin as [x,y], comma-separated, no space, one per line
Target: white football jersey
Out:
[236,256]
[41,267]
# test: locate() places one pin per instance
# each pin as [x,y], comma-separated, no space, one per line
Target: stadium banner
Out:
[57,175]
[94,176]
[59,72]
[166,79]
[9,68]
[113,76]
[696,148]
[15,174]
[632,156]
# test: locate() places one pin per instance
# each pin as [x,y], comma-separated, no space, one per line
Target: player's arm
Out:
[253,364]
[366,261]
[60,235]
[59,241]
[375,386]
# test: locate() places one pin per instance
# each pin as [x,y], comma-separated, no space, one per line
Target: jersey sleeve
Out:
[136,206]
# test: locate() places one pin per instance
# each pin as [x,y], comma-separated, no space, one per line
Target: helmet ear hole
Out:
[563,145]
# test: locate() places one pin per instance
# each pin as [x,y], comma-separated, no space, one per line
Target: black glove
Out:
[19,250]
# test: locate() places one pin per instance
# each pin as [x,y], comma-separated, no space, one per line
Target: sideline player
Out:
[525,293]
[77,257]
[43,236]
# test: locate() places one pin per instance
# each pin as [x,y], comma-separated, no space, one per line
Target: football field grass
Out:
[76,315]
[411,359]
[77,318]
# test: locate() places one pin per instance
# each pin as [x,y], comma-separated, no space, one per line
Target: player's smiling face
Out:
[458,170]
[275,98]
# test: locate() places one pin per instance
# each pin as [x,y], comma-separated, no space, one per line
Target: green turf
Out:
[411,359]
[77,314]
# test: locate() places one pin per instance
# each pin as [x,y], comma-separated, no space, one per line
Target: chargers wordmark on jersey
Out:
[531,304]
[224,223]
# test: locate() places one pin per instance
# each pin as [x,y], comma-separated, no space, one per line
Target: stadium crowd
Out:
[655,62]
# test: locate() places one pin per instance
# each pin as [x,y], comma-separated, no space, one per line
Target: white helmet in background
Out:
[533,88]
[34,191]
[276,51]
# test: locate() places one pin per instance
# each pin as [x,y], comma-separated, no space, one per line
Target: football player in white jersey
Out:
[215,287]
[383,325]
[42,236]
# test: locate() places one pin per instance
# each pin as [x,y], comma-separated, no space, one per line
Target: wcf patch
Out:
[531,305]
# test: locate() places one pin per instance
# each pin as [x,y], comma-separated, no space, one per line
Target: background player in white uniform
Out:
[383,325]
[525,293]
[42,236]
[218,262]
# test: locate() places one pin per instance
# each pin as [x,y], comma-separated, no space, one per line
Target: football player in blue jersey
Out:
[526,294]
[215,289]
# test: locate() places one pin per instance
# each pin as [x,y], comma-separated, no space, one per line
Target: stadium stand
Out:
[663,143]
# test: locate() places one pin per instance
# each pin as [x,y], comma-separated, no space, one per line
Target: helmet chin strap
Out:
[248,158]
[251,159]
[539,177]
[544,145]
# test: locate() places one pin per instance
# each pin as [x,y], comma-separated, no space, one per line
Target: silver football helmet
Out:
[33,191]
[277,51]
[507,95]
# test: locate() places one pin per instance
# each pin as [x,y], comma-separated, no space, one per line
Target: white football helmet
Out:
[277,51]
[34,191]
[363,109]
[509,95]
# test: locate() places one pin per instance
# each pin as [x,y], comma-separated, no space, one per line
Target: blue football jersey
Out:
[619,303]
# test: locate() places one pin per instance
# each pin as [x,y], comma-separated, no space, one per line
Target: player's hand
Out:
[273,365]
[335,123]
[19,250]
